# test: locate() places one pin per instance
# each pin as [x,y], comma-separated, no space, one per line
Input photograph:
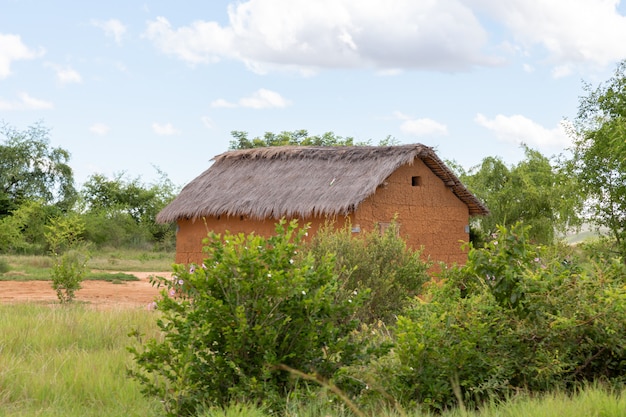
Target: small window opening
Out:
[416,181]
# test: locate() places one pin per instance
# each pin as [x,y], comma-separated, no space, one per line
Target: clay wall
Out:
[428,212]
[190,233]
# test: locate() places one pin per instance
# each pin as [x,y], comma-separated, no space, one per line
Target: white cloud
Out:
[99,129]
[264,99]
[260,99]
[25,102]
[199,42]
[308,35]
[65,75]
[519,129]
[113,28]
[12,49]
[572,32]
[221,103]
[421,126]
[448,35]
[166,129]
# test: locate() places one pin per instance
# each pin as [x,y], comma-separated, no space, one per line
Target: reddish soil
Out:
[99,294]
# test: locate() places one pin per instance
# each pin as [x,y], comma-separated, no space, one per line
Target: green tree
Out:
[535,191]
[123,211]
[30,169]
[599,160]
[293,138]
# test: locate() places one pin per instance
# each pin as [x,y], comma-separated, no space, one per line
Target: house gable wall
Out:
[429,214]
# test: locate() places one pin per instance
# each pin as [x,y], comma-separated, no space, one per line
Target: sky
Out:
[136,87]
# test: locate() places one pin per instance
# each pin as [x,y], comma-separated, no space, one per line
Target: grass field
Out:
[71,361]
[37,267]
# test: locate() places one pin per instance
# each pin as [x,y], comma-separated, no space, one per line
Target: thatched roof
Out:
[301,181]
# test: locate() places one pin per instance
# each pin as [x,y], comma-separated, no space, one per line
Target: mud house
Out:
[367,186]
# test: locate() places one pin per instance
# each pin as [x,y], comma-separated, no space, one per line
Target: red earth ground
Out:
[98,294]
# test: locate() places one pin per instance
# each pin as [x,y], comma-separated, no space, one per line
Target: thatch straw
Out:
[300,181]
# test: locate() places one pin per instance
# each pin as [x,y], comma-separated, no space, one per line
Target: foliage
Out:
[70,256]
[599,160]
[294,138]
[71,362]
[37,185]
[115,230]
[256,303]
[535,191]
[119,211]
[379,266]
[68,271]
[516,317]
[13,236]
[30,169]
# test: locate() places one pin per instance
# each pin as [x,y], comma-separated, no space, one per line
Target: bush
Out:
[69,268]
[228,324]
[68,271]
[380,265]
[515,317]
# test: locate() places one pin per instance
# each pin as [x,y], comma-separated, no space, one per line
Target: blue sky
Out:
[127,86]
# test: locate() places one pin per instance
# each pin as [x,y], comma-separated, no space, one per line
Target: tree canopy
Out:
[535,191]
[293,138]
[31,169]
[599,160]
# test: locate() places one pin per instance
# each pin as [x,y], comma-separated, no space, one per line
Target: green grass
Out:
[131,260]
[592,401]
[37,267]
[72,361]
[114,277]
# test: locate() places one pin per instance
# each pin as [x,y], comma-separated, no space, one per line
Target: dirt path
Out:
[99,294]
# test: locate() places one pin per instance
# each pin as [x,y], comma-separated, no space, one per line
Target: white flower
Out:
[303,292]
[269,275]
[181,282]
[291,261]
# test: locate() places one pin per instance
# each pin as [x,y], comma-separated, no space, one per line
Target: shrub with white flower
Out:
[264,303]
